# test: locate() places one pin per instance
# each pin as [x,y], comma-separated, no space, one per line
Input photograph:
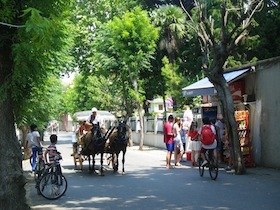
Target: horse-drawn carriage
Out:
[99,141]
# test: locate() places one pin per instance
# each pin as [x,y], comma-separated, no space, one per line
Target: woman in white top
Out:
[178,145]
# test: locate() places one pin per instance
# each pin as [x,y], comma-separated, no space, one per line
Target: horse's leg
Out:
[89,168]
[115,161]
[101,164]
[93,163]
[123,160]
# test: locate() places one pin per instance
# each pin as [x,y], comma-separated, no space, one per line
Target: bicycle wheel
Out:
[213,168]
[52,186]
[200,167]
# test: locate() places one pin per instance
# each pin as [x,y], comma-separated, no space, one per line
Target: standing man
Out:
[168,139]
[34,138]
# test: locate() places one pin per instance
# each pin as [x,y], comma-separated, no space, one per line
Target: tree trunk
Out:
[140,113]
[12,194]
[141,117]
[228,113]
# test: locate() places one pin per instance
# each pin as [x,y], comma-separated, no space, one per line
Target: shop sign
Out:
[237,89]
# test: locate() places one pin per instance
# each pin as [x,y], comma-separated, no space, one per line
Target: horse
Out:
[94,143]
[118,141]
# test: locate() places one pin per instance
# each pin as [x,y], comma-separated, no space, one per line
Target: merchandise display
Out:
[242,119]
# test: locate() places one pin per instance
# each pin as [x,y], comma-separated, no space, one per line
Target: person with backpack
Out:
[207,135]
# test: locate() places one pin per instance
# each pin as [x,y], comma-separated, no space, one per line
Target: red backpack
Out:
[207,135]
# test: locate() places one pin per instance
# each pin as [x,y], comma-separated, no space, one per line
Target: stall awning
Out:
[205,87]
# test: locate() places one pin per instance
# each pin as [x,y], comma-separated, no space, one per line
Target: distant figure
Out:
[55,127]
[188,116]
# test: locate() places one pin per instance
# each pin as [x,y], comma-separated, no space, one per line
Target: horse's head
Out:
[96,131]
[121,129]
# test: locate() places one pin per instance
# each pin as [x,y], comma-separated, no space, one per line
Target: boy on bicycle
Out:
[52,153]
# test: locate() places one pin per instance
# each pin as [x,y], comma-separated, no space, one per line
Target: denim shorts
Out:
[170,147]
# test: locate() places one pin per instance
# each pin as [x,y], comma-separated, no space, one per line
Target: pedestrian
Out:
[207,135]
[195,144]
[184,135]
[220,124]
[188,116]
[168,138]
[34,139]
[178,145]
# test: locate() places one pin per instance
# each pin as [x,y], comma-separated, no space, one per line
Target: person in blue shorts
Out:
[169,139]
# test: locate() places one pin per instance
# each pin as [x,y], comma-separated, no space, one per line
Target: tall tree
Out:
[88,16]
[220,26]
[172,23]
[29,43]
[124,47]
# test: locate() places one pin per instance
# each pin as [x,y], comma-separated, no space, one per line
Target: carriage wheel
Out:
[78,158]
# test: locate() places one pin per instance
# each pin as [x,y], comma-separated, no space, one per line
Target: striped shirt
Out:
[51,149]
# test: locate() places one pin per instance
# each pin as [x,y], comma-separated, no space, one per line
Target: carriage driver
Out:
[94,117]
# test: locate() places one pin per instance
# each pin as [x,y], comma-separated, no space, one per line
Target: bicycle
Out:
[53,184]
[40,165]
[212,164]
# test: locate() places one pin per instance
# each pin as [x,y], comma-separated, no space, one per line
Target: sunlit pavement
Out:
[147,184]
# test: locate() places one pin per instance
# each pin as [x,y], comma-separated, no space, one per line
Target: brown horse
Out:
[118,143]
[94,143]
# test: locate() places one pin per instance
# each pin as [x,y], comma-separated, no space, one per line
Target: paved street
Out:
[147,184]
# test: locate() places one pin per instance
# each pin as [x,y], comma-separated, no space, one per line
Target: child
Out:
[52,153]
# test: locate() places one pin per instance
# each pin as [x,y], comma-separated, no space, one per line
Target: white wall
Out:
[266,149]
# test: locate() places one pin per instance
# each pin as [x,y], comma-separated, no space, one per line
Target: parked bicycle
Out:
[53,184]
[40,165]
[212,164]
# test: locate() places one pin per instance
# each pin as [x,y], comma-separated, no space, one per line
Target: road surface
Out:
[147,184]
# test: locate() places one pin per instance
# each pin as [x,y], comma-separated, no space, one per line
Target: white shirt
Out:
[35,135]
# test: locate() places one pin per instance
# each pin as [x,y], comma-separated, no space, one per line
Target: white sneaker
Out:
[204,163]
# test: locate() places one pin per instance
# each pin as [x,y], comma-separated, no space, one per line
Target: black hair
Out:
[213,120]
[53,138]
[170,117]
[33,127]
[206,121]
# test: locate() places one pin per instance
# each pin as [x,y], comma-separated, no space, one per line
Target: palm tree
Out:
[172,23]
